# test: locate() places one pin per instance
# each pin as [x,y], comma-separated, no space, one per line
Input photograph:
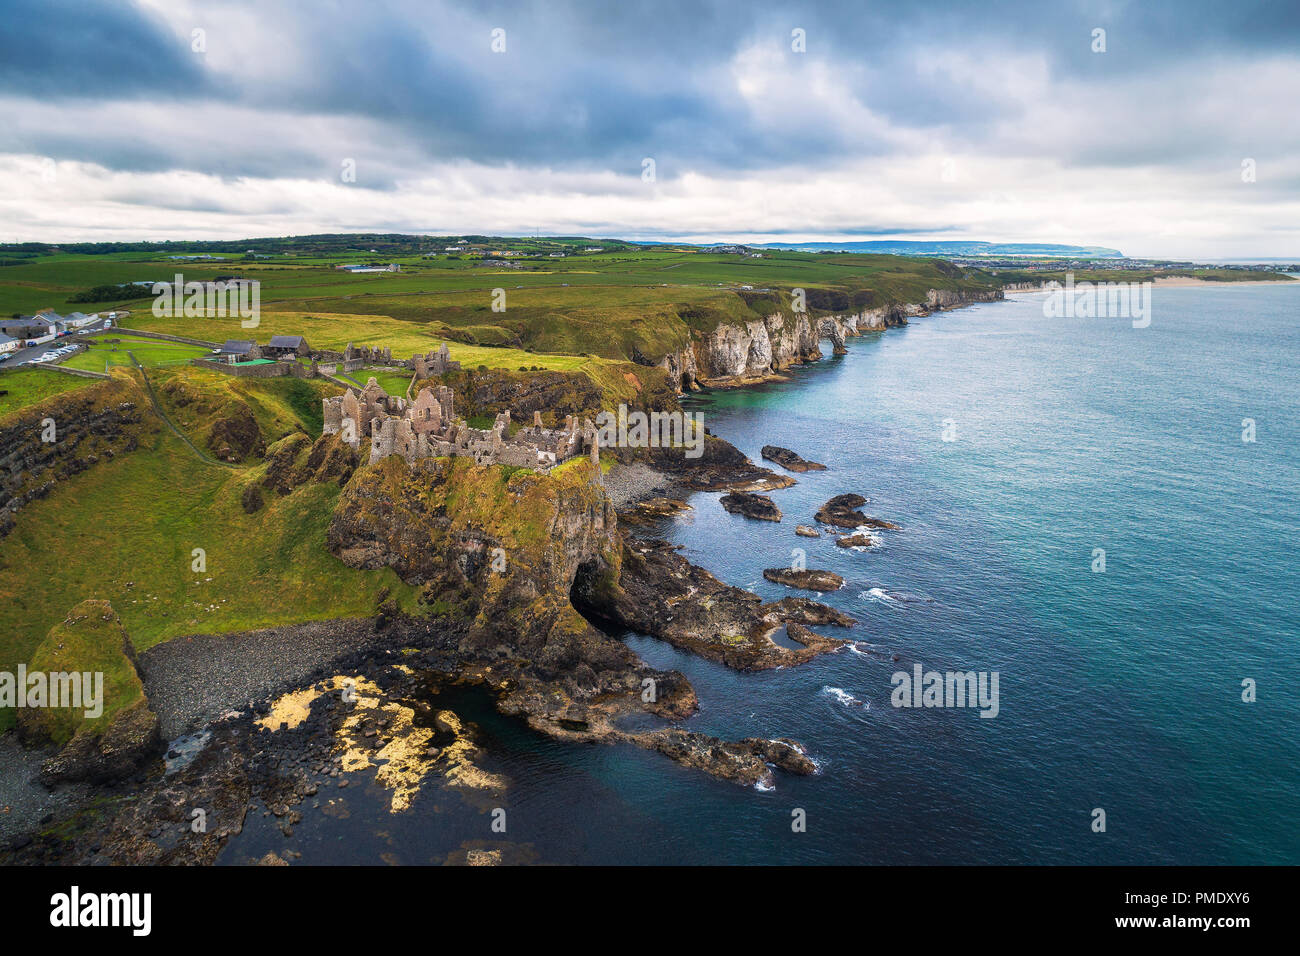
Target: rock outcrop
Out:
[653,510]
[721,466]
[758,507]
[746,761]
[296,460]
[510,553]
[808,579]
[841,512]
[107,730]
[789,460]
[662,594]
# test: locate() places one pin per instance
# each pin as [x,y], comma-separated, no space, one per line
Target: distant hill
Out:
[910,248]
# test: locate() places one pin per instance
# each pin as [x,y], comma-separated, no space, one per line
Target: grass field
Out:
[335,330]
[21,387]
[102,356]
[278,405]
[624,304]
[391,382]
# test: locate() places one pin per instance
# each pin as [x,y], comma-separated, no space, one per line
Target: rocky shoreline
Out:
[549,667]
[236,770]
[193,681]
[367,715]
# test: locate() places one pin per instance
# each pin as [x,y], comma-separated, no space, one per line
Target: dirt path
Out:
[153,398]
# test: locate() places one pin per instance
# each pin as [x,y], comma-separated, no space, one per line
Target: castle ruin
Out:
[435,363]
[427,428]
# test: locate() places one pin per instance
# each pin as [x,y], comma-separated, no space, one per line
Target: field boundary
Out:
[79,372]
[161,337]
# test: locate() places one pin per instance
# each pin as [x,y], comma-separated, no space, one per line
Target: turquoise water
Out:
[1119,690]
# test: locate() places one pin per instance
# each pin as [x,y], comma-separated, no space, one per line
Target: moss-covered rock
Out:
[286,463]
[218,420]
[92,643]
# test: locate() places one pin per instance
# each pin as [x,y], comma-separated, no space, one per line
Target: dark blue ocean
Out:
[1119,690]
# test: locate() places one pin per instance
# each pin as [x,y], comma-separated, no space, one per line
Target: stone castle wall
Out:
[428,427]
[246,370]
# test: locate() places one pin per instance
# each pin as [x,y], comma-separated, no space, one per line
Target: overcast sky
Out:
[988,120]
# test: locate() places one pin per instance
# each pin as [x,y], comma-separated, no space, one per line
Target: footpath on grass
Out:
[157,407]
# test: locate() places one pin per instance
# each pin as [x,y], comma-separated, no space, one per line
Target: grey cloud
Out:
[65,48]
[590,86]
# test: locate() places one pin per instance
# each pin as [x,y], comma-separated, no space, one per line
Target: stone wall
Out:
[161,337]
[247,370]
[79,372]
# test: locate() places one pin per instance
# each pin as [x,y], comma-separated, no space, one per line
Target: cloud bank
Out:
[994,121]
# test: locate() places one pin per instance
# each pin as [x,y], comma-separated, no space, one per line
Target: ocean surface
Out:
[1120,690]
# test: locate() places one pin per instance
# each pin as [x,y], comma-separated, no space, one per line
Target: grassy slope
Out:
[124,531]
[280,405]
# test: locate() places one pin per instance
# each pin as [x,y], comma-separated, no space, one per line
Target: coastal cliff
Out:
[733,355]
[505,553]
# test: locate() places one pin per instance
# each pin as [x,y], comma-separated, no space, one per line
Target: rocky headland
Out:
[525,578]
